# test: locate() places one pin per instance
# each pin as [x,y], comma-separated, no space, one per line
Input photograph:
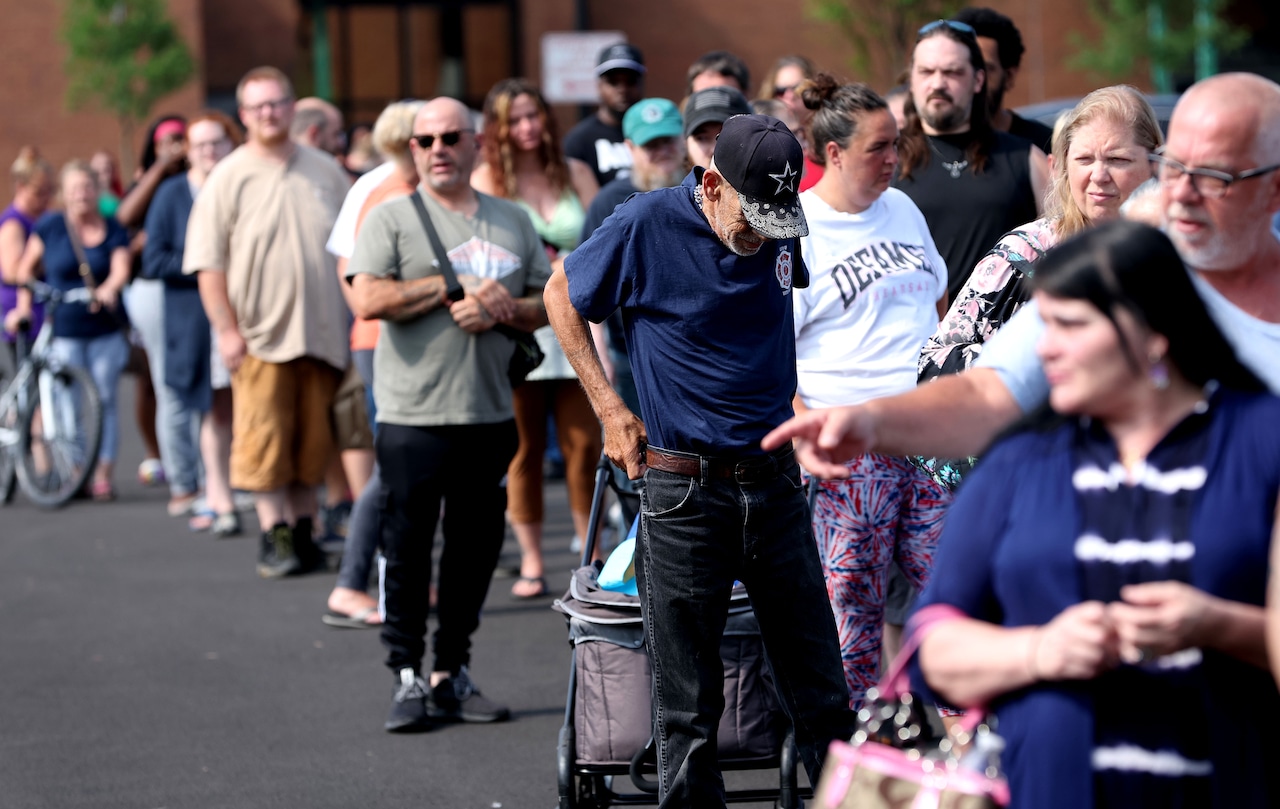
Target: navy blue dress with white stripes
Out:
[1048,520]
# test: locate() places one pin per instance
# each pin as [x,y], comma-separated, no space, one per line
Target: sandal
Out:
[226,525]
[538,583]
[102,491]
[201,520]
[183,504]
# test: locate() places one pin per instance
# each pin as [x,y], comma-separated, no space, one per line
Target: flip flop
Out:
[202,519]
[358,620]
[540,591]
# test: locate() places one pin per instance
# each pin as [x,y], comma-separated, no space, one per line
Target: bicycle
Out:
[50,416]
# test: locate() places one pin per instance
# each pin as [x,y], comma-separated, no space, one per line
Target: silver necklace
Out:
[955,168]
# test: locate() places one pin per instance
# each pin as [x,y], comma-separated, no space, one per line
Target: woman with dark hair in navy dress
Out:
[1111,556]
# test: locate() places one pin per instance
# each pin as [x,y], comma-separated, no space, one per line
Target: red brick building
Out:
[364,53]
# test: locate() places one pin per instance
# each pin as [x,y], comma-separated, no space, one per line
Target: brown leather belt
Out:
[744,470]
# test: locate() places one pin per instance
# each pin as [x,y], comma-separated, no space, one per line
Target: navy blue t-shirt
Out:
[62,271]
[709,333]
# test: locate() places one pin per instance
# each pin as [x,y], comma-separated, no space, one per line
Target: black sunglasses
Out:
[958,27]
[447,138]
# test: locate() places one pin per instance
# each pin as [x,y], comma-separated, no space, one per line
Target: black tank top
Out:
[967,213]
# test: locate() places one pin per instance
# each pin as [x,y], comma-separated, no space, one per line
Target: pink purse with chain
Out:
[894,763]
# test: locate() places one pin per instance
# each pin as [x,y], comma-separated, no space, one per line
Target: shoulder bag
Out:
[527,355]
[117,313]
[898,759]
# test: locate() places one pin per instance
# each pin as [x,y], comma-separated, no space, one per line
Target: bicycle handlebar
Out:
[44,293]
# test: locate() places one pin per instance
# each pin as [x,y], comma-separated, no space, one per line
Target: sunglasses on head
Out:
[447,138]
[958,27]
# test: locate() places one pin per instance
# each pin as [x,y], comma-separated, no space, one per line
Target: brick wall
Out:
[33,88]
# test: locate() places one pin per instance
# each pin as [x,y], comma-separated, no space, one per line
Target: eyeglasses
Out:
[447,138]
[779,92]
[1209,183]
[958,27]
[257,110]
[197,145]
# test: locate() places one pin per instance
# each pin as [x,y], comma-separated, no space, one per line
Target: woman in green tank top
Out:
[523,162]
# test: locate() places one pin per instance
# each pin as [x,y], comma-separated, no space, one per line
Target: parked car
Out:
[1047,112]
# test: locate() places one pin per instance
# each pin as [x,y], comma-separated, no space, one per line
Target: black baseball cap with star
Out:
[762,160]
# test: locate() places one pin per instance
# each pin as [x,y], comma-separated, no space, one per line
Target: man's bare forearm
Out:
[575,339]
[531,313]
[950,417]
[376,298]
[217,303]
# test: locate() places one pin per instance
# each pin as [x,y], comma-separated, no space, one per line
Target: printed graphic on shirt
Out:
[483,259]
[611,156]
[875,261]
[783,270]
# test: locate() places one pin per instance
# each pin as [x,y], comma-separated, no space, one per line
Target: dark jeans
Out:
[463,466]
[697,536]
[364,530]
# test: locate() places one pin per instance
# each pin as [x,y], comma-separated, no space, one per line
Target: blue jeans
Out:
[699,534]
[177,425]
[104,358]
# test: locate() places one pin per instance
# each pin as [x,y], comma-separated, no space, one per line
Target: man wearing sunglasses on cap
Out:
[972,183]
[446,428]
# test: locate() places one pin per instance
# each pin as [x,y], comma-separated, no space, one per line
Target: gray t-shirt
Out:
[427,371]
[1012,351]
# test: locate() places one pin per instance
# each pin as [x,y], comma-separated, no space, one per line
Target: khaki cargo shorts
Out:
[282,423]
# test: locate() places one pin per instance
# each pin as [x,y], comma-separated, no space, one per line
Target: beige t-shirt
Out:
[265,224]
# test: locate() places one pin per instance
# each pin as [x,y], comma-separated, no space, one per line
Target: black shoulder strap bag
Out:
[528,355]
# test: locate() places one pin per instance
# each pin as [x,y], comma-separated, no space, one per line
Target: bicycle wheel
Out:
[8,448]
[61,435]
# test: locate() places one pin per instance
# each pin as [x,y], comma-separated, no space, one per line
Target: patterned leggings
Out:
[886,510]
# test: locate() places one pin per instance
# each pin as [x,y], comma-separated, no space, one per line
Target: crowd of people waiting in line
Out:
[1031,372]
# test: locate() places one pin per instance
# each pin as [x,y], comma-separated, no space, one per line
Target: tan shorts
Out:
[282,423]
[350,415]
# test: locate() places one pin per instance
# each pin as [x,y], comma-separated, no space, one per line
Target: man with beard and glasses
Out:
[256,237]
[1219,189]
[703,275]
[972,183]
[1002,50]
[597,139]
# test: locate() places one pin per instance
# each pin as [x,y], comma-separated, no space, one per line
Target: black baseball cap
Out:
[762,160]
[713,105]
[620,57]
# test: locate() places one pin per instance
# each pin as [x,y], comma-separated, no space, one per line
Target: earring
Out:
[1159,373]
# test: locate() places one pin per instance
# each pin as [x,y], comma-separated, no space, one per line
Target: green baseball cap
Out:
[650,119]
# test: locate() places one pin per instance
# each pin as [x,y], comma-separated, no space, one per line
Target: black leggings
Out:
[463,466]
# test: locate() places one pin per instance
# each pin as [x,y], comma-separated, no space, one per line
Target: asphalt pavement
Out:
[147,667]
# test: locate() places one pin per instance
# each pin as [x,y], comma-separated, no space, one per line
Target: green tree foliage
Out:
[880,32]
[124,56]
[1161,35]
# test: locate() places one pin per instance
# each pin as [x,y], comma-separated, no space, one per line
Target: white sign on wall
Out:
[569,64]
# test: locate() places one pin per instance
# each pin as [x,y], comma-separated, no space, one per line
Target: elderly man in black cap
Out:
[597,140]
[704,115]
[703,274]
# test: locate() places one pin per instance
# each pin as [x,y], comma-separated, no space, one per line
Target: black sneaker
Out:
[277,557]
[456,699]
[408,705]
[310,557]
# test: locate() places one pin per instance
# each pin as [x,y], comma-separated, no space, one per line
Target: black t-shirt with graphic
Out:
[967,212]
[601,147]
